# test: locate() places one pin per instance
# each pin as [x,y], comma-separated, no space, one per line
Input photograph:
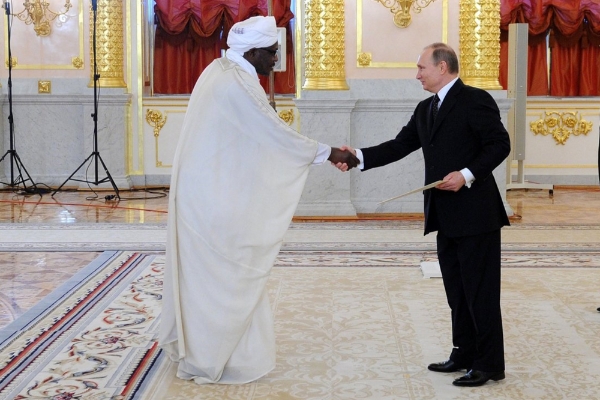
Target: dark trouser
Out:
[471,273]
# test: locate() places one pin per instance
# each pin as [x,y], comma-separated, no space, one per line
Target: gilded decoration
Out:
[156,120]
[109,43]
[401,9]
[324,57]
[287,116]
[364,59]
[77,62]
[479,43]
[38,14]
[561,125]
[44,87]
[14,62]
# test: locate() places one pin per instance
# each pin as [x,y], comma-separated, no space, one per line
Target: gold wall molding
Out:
[561,125]
[109,43]
[364,58]
[77,62]
[14,62]
[157,121]
[287,116]
[401,9]
[479,43]
[324,39]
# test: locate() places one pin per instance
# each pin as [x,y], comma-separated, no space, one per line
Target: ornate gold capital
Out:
[561,125]
[324,57]
[479,47]
[109,43]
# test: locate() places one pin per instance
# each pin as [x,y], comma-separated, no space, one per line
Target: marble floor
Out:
[568,218]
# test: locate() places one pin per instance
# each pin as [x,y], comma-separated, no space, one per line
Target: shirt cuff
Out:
[469,178]
[359,155]
[323,153]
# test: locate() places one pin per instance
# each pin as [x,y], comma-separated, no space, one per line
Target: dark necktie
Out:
[434,106]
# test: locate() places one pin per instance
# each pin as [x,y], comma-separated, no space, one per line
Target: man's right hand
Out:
[342,166]
[341,157]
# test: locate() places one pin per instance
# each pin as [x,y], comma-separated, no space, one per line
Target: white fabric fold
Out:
[237,177]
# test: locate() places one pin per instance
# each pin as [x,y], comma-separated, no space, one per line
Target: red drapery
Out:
[574,29]
[191,33]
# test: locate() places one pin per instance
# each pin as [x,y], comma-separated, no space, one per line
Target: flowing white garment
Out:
[237,178]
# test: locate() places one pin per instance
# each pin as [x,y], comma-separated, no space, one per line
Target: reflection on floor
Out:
[539,296]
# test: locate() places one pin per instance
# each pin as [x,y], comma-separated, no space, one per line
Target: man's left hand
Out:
[453,182]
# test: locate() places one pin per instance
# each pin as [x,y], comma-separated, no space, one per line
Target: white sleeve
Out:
[323,153]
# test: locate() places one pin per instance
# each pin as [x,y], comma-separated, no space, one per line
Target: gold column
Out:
[479,43]
[109,43]
[324,57]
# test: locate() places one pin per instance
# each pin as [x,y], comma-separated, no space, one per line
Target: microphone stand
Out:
[95,153]
[15,160]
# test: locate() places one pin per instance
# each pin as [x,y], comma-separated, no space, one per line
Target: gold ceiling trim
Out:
[561,125]
[362,55]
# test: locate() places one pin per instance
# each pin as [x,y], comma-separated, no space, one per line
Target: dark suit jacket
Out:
[467,133]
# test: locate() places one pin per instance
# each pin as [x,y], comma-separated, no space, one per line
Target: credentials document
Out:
[431,185]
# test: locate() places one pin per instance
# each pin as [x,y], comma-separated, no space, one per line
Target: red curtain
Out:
[574,29]
[191,33]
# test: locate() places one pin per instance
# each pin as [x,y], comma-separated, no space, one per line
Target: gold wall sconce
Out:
[38,14]
[401,9]
[561,125]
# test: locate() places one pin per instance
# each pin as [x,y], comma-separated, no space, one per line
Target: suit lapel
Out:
[446,106]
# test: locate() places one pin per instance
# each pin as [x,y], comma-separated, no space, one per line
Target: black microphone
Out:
[94,5]
[7,7]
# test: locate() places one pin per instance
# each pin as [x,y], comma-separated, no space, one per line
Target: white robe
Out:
[237,177]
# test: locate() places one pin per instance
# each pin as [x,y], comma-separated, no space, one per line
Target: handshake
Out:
[344,159]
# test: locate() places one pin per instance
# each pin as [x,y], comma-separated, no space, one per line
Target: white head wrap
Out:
[255,32]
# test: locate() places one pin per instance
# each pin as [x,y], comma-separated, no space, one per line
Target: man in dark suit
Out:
[463,140]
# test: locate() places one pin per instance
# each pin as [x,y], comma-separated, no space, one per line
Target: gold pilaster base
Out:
[109,83]
[325,84]
[482,83]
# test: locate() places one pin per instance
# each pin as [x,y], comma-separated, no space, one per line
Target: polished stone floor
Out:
[568,218]
[27,276]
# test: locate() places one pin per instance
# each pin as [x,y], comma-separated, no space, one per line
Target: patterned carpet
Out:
[352,322]
[92,338]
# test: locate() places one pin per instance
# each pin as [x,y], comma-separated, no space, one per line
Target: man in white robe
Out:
[237,177]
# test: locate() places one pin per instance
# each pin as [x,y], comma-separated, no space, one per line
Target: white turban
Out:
[255,32]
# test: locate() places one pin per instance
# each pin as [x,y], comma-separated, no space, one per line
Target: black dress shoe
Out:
[598,308]
[446,366]
[478,378]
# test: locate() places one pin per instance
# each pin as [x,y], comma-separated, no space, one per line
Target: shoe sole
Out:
[498,377]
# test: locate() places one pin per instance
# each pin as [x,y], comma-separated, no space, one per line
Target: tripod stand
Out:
[95,153]
[15,160]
